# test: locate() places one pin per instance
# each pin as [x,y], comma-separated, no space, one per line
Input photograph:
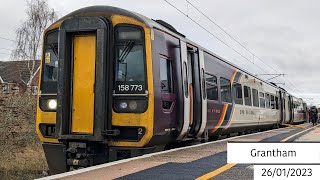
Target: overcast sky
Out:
[284,34]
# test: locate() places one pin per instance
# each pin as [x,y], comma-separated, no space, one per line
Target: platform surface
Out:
[203,161]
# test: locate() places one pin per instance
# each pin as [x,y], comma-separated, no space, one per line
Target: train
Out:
[116,84]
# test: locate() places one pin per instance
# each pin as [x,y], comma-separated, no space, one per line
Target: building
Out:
[15,77]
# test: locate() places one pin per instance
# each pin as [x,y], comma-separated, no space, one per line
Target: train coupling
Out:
[85,154]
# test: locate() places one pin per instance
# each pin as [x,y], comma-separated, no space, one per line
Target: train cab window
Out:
[130,60]
[267,101]
[225,90]
[247,95]
[273,104]
[255,97]
[50,63]
[262,100]
[166,75]
[211,87]
[237,93]
[277,103]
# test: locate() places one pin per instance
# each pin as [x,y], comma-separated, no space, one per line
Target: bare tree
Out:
[29,34]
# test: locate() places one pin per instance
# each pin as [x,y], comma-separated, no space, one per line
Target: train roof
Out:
[158,24]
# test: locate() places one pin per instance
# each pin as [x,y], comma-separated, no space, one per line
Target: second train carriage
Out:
[115,84]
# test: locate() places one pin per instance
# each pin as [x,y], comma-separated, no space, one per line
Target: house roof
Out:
[17,71]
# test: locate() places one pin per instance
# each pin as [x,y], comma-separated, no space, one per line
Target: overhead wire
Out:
[237,41]
[213,35]
[295,89]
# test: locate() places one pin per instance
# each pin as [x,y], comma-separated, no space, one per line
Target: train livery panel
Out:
[115,84]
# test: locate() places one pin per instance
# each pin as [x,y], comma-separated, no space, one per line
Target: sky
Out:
[283,34]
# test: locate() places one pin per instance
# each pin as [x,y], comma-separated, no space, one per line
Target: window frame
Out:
[250,95]
[262,97]
[234,93]
[48,87]
[230,94]
[272,102]
[143,43]
[257,104]
[276,99]
[268,101]
[211,83]
[169,74]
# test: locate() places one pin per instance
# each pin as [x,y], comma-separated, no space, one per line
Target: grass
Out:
[21,153]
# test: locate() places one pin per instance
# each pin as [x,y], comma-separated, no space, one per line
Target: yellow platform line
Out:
[216,172]
[295,126]
[224,168]
[286,139]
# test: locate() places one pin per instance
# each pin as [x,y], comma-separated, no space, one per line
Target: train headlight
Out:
[133,105]
[123,105]
[130,105]
[52,104]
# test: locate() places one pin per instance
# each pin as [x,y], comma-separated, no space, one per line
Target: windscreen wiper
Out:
[126,51]
[54,47]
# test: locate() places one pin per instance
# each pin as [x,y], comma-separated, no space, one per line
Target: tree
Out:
[29,34]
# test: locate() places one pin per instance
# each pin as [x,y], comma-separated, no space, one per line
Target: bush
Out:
[21,153]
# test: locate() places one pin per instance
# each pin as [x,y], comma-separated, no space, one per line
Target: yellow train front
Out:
[96,89]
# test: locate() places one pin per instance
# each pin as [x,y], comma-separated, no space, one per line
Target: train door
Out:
[81,101]
[278,106]
[287,108]
[283,107]
[194,82]
[186,91]
[282,114]
[168,91]
[84,47]
[290,103]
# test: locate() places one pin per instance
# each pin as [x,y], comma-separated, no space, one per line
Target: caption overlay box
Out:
[290,172]
[274,153]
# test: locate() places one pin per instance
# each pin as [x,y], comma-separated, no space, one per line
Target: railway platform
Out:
[200,161]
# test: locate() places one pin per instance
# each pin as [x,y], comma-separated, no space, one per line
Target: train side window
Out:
[225,90]
[262,100]
[185,79]
[272,102]
[247,95]
[255,97]
[211,87]
[204,93]
[237,93]
[277,103]
[267,101]
[166,75]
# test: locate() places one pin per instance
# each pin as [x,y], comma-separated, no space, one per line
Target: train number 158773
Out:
[131,87]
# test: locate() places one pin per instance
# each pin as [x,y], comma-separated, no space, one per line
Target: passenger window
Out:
[166,76]
[276,101]
[225,90]
[267,101]
[255,97]
[262,100]
[247,95]
[204,93]
[237,93]
[211,87]
[185,79]
[272,102]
